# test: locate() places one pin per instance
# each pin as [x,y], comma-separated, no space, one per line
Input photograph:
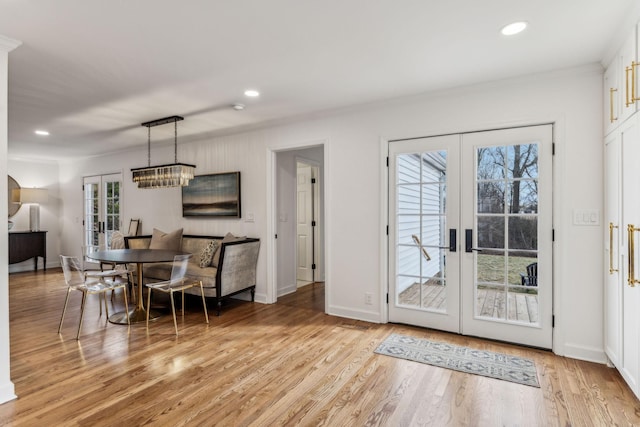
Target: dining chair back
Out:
[178,282]
[76,280]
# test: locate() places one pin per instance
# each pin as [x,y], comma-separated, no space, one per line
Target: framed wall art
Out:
[216,195]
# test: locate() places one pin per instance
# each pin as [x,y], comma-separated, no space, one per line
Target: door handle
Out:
[468,241]
[453,239]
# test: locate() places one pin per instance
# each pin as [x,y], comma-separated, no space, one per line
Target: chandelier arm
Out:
[175,141]
[149,147]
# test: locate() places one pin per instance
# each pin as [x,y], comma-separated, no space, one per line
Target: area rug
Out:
[480,362]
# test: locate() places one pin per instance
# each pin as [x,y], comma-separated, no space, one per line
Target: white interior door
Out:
[424,285]
[471,234]
[304,224]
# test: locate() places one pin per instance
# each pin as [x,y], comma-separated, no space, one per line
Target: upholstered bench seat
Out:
[225,265]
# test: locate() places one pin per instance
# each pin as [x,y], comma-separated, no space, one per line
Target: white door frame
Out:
[271,295]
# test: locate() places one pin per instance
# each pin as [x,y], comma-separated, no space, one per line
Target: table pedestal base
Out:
[136,315]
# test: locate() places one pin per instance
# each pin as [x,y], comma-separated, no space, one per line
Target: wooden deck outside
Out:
[523,307]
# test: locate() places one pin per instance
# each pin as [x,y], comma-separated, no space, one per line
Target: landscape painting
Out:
[216,195]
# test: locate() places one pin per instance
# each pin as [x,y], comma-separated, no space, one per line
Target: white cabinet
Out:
[613,254]
[622,248]
[621,89]
[630,154]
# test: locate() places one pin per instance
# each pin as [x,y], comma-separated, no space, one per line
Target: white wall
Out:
[41,175]
[354,165]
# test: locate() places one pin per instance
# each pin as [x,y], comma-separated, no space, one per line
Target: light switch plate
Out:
[586,217]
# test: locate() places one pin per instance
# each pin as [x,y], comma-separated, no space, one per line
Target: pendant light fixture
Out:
[163,176]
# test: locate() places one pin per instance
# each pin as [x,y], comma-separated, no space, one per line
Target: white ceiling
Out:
[91,71]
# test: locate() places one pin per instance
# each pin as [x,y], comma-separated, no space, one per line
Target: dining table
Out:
[139,257]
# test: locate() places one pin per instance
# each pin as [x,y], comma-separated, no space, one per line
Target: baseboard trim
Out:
[7,392]
[287,290]
[586,353]
[349,313]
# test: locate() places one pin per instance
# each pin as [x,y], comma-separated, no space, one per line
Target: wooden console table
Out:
[24,245]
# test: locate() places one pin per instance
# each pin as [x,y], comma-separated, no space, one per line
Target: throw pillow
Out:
[117,240]
[227,238]
[168,241]
[207,253]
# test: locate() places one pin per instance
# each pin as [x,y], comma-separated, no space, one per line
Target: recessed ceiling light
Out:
[238,107]
[514,28]
[252,93]
[42,132]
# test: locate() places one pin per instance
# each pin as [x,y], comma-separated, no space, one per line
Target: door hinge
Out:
[553,234]
[387,161]
[313,266]
[313,223]
[387,298]
[553,149]
[387,230]
[313,180]
[276,236]
[553,321]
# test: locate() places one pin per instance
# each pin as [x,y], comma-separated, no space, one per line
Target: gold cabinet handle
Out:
[627,101]
[631,280]
[634,97]
[611,117]
[611,269]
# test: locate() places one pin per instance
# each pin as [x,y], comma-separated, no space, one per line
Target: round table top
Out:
[122,256]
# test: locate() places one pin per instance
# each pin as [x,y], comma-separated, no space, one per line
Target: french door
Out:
[470,234]
[101,208]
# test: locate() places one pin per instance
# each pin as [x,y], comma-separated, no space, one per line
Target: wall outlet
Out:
[368,298]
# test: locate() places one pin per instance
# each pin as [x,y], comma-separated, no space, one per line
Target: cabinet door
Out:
[630,142]
[612,96]
[630,89]
[612,260]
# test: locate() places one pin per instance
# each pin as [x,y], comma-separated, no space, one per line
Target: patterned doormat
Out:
[495,365]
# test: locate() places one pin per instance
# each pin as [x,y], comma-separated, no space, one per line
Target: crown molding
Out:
[8,44]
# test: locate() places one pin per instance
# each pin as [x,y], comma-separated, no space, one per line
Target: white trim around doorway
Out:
[271,296]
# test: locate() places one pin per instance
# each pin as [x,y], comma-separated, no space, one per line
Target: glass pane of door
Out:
[506,220]
[421,214]
[91,214]
[112,204]
[507,214]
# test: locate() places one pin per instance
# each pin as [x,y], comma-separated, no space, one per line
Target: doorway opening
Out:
[299,227]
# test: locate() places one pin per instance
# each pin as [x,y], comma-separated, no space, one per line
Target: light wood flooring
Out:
[490,302]
[266,365]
